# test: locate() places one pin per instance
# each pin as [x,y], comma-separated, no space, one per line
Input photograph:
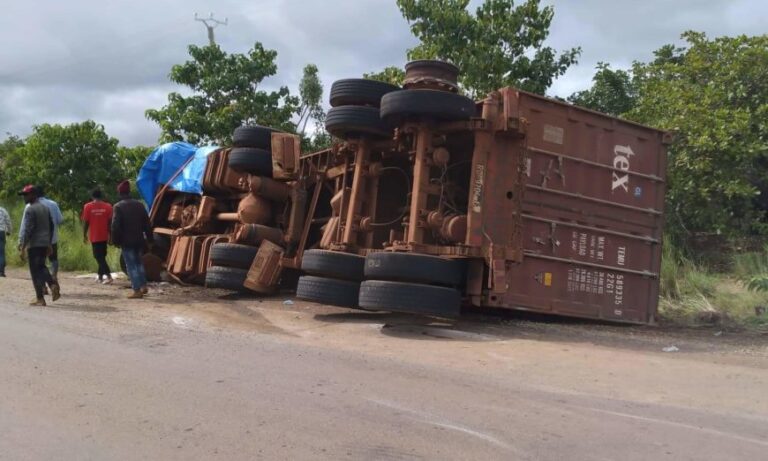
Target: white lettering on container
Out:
[621,257]
[477,188]
[621,155]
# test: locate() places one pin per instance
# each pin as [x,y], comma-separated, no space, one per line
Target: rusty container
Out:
[582,236]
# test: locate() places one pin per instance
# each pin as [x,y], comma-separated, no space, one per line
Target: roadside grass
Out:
[74,254]
[692,295]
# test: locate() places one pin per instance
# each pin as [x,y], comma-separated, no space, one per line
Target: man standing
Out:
[131,232]
[58,220]
[96,217]
[36,241]
[5,231]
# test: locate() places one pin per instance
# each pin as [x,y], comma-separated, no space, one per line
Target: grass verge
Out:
[74,254]
[691,295]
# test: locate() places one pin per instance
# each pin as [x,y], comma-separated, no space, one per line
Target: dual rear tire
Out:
[335,278]
[355,108]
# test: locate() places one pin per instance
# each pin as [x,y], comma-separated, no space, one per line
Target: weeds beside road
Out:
[74,254]
[693,295]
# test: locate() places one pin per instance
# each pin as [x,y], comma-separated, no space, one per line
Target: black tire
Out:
[233,255]
[259,137]
[411,298]
[334,264]
[328,291]
[251,160]
[441,105]
[412,267]
[227,278]
[352,121]
[359,92]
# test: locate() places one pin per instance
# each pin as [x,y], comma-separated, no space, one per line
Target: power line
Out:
[211,23]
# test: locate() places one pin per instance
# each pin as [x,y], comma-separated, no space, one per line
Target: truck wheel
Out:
[334,264]
[359,92]
[233,255]
[251,160]
[412,267]
[256,136]
[349,121]
[441,105]
[228,278]
[411,298]
[328,291]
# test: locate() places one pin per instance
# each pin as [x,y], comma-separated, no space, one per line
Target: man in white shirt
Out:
[5,231]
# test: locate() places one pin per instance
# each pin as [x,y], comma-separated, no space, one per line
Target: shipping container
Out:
[591,212]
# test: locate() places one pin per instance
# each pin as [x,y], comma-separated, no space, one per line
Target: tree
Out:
[132,158]
[69,161]
[9,160]
[613,92]
[311,96]
[500,45]
[392,75]
[714,95]
[224,96]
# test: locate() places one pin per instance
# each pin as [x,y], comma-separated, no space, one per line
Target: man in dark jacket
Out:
[36,240]
[131,232]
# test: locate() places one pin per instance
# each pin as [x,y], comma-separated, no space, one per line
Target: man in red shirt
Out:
[96,217]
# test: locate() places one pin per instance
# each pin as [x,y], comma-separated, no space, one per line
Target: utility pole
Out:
[210,24]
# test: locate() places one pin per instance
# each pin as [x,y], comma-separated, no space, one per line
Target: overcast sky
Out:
[67,61]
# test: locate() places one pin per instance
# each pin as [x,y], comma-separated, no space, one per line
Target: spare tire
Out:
[228,278]
[334,264]
[351,121]
[251,160]
[440,105]
[256,136]
[359,92]
[328,291]
[410,297]
[233,255]
[413,267]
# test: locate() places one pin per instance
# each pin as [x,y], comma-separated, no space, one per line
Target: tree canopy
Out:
[613,92]
[392,75]
[69,161]
[713,94]
[500,45]
[225,95]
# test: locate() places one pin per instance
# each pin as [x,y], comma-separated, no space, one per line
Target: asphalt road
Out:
[99,378]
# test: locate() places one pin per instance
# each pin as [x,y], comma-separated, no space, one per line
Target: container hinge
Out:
[497,262]
[552,240]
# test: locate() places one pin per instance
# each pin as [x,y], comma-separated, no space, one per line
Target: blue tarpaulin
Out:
[163,163]
[191,179]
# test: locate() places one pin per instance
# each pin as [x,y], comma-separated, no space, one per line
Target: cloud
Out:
[69,61]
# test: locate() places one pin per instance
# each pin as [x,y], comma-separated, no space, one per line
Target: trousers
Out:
[2,252]
[100,254]
[135,267]
[38,270]
[54,259]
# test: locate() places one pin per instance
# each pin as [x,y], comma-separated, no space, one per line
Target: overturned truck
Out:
[430,202]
